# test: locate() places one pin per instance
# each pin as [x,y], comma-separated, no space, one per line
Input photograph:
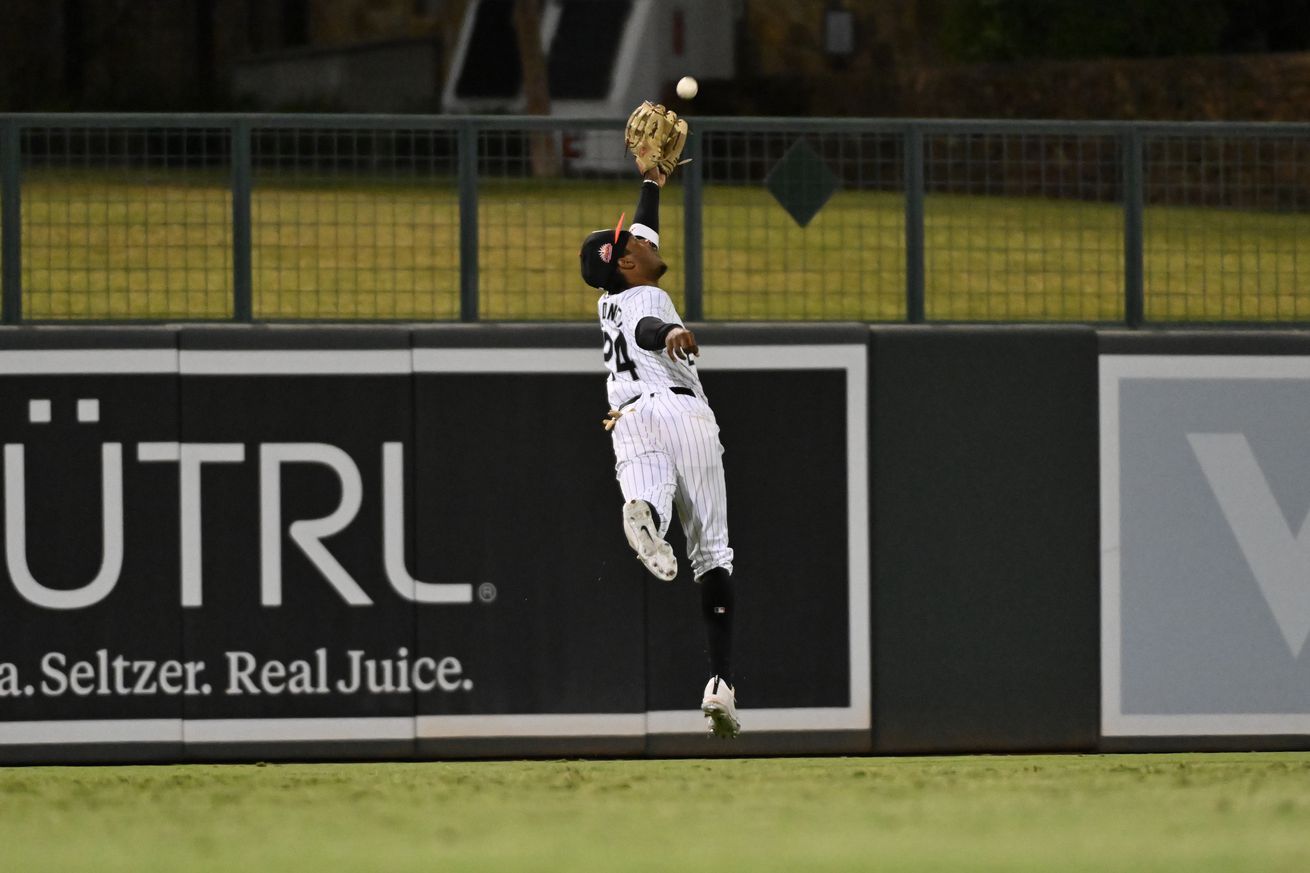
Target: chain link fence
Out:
[800,223]
[1225,233]
[1023,227]
[354,224]
[414,218]
[126,222]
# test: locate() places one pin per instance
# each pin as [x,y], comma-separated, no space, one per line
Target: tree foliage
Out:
[1010,30]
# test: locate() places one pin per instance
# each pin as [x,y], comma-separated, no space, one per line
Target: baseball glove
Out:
[655,136]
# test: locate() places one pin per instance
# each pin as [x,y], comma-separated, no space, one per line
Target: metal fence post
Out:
[11,215]
[468,222]
[242,309]
[914,274]
[694,253]
[1134,205]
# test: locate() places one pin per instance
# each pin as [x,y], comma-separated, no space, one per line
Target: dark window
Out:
[295,22]
[585,47]
[491,64]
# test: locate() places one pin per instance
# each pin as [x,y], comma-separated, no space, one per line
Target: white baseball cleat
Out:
[720,707]
[644,537]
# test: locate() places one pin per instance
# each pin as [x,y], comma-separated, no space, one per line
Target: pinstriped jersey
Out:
[634,370]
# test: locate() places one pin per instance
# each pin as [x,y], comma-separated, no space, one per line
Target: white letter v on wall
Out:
[1279,559]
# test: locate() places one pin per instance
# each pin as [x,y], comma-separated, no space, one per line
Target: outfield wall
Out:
[287,542]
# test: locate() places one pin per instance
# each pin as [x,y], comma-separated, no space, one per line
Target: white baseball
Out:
[687,87]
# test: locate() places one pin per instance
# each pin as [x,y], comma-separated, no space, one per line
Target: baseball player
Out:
[666,439]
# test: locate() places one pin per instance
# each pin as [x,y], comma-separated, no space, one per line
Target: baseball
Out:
[687,87]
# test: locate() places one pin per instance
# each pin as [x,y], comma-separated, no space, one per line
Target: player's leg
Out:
[702,505]
[717,608]
[701,496]
[647,479]
[719,700]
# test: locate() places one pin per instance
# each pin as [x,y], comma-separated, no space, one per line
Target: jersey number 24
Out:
[616,356]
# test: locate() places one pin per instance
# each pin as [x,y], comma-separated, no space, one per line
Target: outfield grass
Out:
[1194,813]
[152,247]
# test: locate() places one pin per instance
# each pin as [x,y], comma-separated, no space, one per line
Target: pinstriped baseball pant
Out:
[667,452]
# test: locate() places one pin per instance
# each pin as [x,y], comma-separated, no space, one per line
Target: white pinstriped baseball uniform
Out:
[666,443]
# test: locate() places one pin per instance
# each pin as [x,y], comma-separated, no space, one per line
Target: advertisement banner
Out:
[1205,526]
[320,542]
[297,596]
[91,647]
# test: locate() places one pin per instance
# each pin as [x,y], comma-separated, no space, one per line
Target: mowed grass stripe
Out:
[1194,813]
[94,247]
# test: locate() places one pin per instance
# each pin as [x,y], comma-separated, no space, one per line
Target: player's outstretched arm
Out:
[646,220]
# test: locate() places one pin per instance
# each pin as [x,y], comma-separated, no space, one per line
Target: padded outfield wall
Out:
[289,542]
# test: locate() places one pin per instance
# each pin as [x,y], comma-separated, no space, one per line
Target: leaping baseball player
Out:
[666,439]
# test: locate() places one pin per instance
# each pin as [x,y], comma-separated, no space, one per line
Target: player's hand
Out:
[654,174]
[680,343]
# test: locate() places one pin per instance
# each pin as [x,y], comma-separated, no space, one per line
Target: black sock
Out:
[654,515]
[716,606]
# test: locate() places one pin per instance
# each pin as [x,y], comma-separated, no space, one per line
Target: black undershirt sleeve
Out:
[648,206]
[651,332]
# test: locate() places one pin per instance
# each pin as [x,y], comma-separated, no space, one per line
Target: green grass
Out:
[1194,813]
[159,247]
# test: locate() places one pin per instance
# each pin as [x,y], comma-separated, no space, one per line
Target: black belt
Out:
[676,389]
